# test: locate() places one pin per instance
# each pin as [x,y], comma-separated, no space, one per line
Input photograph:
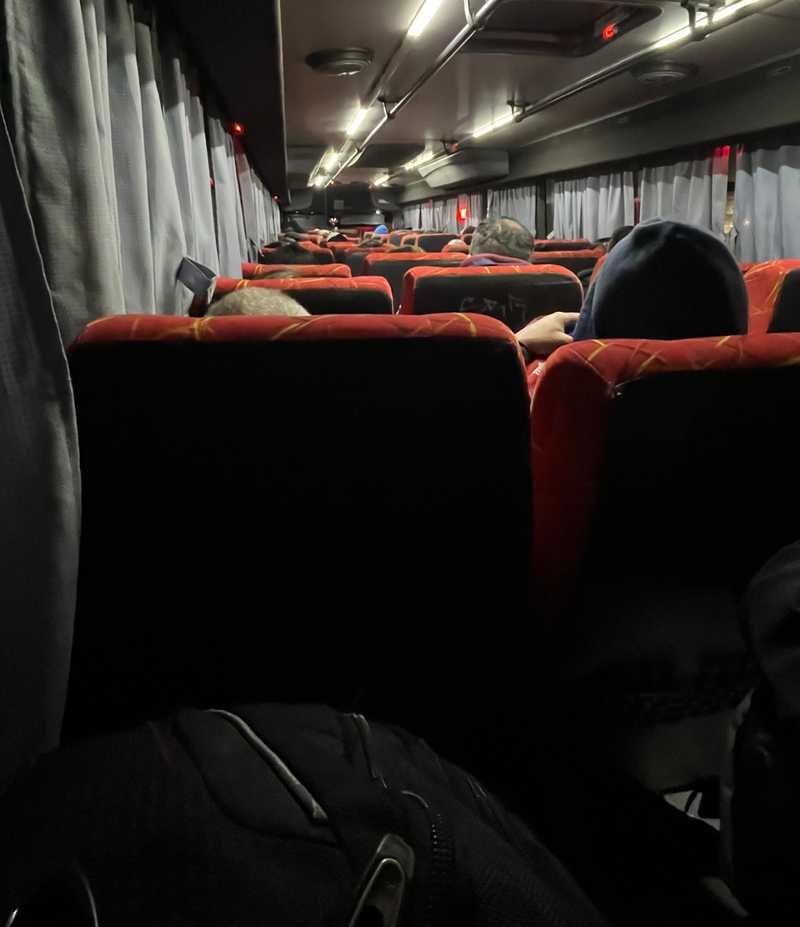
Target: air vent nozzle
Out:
[340,62]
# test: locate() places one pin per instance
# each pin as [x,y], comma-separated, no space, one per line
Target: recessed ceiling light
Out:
[340,62]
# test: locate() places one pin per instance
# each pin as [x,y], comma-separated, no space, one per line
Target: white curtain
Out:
[476,208]
[250,198]
[39,476]
[410,217]
[514,203]
[188,145]
[426,216]
[768,203]
[166,234]
[592,207]
[693,191]
[110,134]
[261,213]
[58,86]
[445,215]
[230,225]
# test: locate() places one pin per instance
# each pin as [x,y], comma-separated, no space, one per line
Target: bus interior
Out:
[318,390]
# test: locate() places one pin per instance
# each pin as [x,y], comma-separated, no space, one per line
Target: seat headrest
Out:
[514,294]
[332,295]
[301,270]
[773,289]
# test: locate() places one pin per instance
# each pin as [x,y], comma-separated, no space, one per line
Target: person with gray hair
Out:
[256,301]
[500,241]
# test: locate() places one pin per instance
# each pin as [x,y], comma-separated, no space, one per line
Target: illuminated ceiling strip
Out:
[493,126]
[422,20]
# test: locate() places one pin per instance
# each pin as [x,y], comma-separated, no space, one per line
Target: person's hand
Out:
[543,335]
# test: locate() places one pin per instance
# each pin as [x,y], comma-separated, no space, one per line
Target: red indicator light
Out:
[237,129]
[609,32]
[463,214]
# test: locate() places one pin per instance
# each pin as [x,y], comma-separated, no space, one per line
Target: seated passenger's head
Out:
[667,280]
[617,235]
[456,245]
[468,230]
[413,249]
[381,230]
[505,237]
[289,254]
[256,301]
[372,243]
[282,273]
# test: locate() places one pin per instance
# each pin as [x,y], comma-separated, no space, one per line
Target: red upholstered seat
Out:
[340,248]
[514,293]
[302,270]
[663,476]
[562,244]
[575,261]
[774,292]
[435,241]
[355,259]
[332,295]
[323,255]
[393,267]
[278,509]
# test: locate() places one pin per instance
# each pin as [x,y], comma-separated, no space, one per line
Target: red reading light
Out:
[237,129]
[463,213]
[609,32]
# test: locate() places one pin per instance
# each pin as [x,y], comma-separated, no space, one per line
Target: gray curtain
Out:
[112,183]
[693,191]
[593,207]
[188,147]
[39,487]
[410,218]
[230,225]
[426,216]
[514,202]
[767,214]
[477,208]
[62,129]
[166,234]
[249,201]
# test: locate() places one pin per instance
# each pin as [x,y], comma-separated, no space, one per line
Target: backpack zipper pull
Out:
[383,885]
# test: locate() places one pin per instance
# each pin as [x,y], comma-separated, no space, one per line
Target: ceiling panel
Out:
[473,89]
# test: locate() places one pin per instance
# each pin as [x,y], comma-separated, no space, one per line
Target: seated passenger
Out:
[500,241]
[381,230]
[289,254]
[456,245]
[542,336]
[468,230]
[284,273]
[256,301]
[665,281]
[413,249]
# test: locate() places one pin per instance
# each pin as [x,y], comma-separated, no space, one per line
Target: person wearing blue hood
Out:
[381,230]
[666,281]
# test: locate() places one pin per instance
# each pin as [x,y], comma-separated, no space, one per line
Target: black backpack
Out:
[286,816]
